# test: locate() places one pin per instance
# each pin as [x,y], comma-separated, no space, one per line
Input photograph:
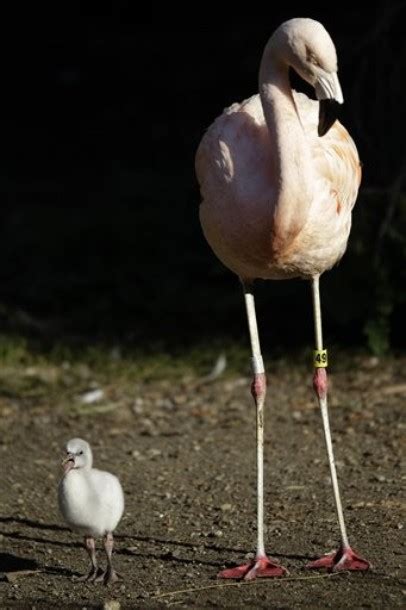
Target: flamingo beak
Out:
[328,113]
[329,93]
[68,463]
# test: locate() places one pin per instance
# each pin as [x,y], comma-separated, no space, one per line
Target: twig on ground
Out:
[245,583]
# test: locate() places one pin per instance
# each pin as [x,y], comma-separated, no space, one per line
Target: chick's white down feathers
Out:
[90,500]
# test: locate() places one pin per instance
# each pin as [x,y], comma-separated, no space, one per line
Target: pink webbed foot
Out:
[261,567]
[341,560]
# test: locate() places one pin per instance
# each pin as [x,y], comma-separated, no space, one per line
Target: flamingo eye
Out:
[311,58]
[80,453]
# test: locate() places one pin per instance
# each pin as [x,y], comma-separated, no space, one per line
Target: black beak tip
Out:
[328,113]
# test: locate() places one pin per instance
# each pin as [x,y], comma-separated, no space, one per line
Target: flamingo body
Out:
[92,503]
[239,194]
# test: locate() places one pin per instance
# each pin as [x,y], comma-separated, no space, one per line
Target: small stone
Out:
[371,363]
[91,396]
[153,453]
[137,455]
[148,428]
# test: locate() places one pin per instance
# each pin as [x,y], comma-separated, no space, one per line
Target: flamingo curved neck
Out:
[290,149]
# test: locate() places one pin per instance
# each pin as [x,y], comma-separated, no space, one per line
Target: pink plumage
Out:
[253,227]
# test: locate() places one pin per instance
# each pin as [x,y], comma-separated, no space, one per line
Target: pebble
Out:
[153,453]
[148,428]
[91,396]
[137,454]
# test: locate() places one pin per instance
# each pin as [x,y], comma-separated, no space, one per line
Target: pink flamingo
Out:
[276,204]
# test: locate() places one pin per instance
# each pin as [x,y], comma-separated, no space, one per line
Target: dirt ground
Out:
[184,451]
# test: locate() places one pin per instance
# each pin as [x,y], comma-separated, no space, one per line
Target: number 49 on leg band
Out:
[320,359]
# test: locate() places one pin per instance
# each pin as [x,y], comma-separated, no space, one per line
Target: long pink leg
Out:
[261,566]
[344,558]
[91,549]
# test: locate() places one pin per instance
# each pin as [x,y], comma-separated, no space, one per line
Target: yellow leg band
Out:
[320,359]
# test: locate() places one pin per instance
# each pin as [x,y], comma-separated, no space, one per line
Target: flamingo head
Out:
[78,455]
[306,46]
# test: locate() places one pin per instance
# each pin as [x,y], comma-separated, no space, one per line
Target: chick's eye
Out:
[80,452]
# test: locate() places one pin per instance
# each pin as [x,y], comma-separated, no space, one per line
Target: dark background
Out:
[99,232]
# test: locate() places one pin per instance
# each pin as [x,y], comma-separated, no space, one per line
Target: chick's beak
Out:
[68,462]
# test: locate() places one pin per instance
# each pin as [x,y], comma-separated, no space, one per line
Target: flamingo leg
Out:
[110,576]
[344,558]
[261,566]
[90,546]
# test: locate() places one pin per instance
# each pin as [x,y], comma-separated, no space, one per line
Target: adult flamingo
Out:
[276,204]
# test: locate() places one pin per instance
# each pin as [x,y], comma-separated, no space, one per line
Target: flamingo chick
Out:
[279,178]
[91,502]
